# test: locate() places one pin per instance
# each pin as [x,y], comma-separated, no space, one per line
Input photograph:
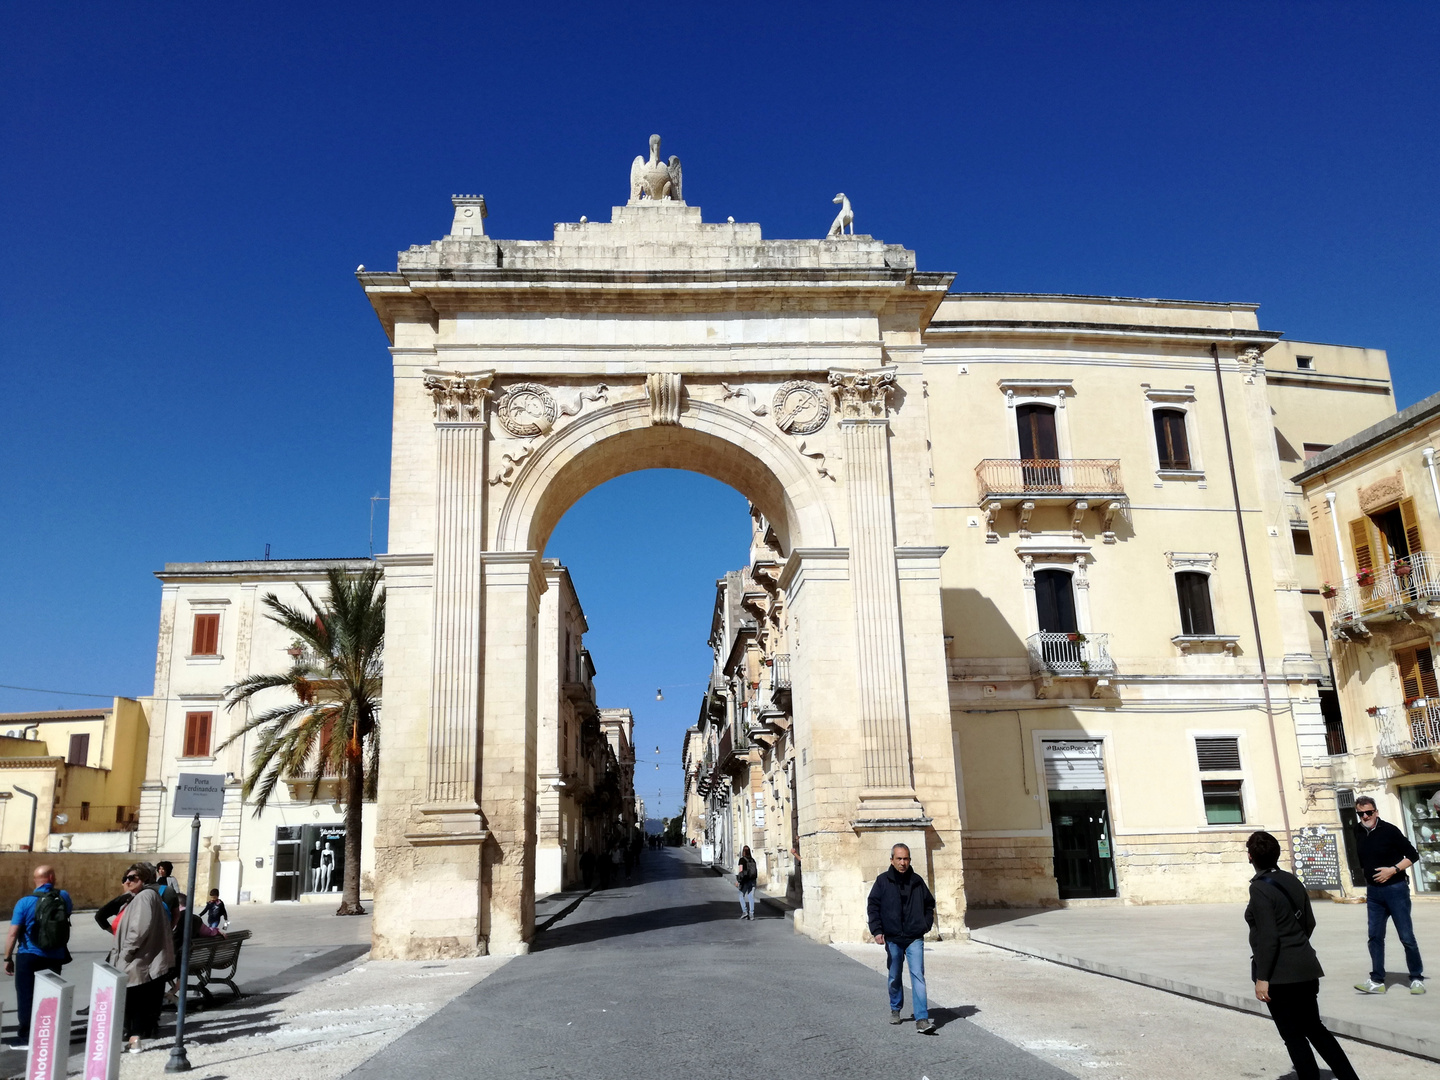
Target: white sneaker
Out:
[1370,986]
[1417,986]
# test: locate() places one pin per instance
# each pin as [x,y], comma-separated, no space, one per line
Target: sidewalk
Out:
[1202,951]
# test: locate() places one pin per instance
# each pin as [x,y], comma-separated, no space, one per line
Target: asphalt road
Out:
[659,979]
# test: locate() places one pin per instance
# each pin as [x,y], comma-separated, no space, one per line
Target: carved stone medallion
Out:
[800,408]
[527,409]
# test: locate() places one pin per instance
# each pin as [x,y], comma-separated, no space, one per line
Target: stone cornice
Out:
[1038,328]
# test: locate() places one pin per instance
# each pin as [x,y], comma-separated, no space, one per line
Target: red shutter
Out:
[205,641]
[197,734]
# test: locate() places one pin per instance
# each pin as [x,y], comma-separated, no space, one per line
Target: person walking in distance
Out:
[746,874]
[1283,965]
[901,911]
[1385,855]
[39,936]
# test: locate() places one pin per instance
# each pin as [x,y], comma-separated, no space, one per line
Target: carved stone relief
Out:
[1386,490]
[512,462]
[819,460]
[459,398]
[527,409]
[663,389]
[800,408]
[863,395]
[743,391]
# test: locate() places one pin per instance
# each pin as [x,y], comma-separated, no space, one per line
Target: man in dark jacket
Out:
[1385,855]
[901,912]
[1285,969]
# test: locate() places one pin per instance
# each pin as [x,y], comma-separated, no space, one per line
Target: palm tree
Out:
[332,725]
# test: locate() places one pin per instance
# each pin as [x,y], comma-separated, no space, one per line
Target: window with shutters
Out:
[1360,545]
[1218,754]
[1196,617]
[79,750]
[1171,442]
[1222,781]
[197,734]
[205,639]
[1419,688]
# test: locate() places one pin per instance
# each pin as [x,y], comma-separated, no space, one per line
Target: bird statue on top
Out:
[655,179]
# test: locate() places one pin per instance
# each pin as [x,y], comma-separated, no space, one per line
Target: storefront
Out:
[1079,817]
[1421,806]
[308,859]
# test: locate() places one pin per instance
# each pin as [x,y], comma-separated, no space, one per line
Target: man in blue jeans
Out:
[24,956]
[901,911]
[1385,855]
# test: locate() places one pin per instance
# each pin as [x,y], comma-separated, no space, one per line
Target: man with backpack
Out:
[38,941]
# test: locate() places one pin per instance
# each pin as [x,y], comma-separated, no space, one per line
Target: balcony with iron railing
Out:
[1025,483]
[1070,656]
[1410,729]
[1392,591]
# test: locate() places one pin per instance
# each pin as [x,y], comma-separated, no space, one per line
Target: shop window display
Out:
[1422,823]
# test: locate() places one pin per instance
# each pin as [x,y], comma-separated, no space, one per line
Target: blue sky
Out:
[191,372]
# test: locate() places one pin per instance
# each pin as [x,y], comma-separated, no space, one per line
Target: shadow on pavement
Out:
[642,922]
[944,1017]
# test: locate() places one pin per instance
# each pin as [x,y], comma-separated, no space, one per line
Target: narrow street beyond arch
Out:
[659,979]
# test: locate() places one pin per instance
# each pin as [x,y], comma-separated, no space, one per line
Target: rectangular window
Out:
[1170,441]
[197,734]
[1196,617]
[120,817]
[84,811]
[1218,754]
[1313,448]
[1305,363]
[205,640]
[1223,802]
[79,750]
[1300,540]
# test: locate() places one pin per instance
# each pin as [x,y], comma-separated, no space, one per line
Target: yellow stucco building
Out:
[1373,502]
[76,773]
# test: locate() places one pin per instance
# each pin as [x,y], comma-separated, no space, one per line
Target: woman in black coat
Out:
[1284,967]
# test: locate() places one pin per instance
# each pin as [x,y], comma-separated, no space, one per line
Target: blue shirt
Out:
[24,917]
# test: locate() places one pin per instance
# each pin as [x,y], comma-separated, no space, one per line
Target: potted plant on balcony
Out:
[1401,567]
[1365,578]
[1080,638]
[1328,591]
[1373,710]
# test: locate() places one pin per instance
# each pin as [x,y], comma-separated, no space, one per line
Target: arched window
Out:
[1196,616]
[1170,441]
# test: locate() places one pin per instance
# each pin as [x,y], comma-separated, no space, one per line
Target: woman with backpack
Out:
[1284,967]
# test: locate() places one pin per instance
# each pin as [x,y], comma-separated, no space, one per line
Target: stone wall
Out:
[91,878]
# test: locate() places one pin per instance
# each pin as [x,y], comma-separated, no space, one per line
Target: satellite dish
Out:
[62,819]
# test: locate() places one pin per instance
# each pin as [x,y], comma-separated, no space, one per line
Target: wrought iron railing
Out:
[1408,729]
[1077,655]
[1049,476]
[1372,592]
[780,672]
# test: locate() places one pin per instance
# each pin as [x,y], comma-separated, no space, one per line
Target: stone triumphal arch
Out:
[529,372]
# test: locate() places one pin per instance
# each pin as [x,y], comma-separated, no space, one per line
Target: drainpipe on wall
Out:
[1428,454]
[34,811]
[1339,548]
[1250,589]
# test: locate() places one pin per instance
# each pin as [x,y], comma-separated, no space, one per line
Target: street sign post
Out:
[105,1030]
[201,795]
[49,1028]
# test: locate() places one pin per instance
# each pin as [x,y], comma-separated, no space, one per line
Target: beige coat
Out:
[144,948]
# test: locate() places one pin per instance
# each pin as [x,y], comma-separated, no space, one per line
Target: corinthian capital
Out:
[863,395]
[459,398]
